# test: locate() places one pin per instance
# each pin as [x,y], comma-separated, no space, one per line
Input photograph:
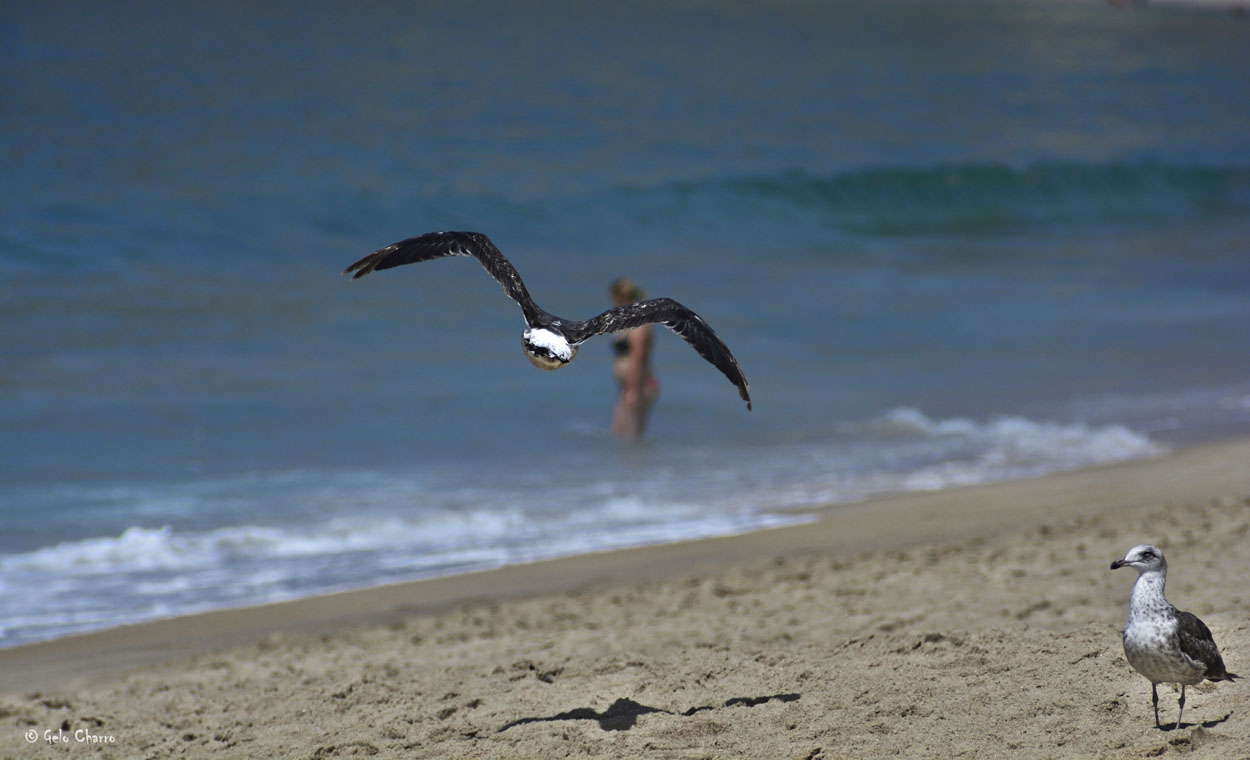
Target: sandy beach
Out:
[983,263]
[975,622]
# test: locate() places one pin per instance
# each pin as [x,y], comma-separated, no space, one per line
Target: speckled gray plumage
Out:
[1164,644]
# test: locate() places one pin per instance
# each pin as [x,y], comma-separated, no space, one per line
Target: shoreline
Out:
[1203,471]
[973,623]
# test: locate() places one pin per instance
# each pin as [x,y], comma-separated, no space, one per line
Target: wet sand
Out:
[965,623]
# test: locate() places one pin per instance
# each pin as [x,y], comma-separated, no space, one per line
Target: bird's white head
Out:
[1143,558]
[547,349]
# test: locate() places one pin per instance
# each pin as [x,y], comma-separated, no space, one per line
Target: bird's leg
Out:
[1182,704]
[1154,696]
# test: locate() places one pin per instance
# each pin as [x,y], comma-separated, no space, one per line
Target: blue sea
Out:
[949,243]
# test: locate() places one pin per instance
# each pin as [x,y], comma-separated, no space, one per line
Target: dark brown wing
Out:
[1198,644]
[436,245]
[674,316]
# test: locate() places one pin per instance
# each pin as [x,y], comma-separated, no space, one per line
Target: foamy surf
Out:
[402,528]
[147,573]
[1008,447]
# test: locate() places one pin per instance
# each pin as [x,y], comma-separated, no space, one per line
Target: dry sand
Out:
[980,622]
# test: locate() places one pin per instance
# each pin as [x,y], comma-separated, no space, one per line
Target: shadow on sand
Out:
[1204,724]
[622,714]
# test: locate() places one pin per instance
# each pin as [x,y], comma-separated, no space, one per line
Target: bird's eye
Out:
[1147,555]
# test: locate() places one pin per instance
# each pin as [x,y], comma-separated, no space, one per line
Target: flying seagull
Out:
[549,341]
[1161,642]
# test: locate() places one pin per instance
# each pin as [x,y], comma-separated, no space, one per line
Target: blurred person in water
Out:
[637,385]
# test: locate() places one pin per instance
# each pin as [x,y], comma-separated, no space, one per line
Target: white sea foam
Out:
[1010,447]
[904,449]
[151,572]
[148,550]
[359,529]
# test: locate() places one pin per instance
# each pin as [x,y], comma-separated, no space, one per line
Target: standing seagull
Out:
[1161,642]
[549,341]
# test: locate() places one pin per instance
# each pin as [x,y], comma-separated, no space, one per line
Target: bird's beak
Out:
[1118,564]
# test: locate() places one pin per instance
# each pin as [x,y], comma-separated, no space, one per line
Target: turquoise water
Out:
[948,243]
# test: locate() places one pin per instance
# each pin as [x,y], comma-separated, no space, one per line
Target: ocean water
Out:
[949,243]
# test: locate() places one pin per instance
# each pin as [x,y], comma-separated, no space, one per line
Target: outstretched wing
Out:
[436,245]
[674,316]
[1198,644]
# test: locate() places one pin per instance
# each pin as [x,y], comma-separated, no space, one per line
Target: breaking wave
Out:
[401,529]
